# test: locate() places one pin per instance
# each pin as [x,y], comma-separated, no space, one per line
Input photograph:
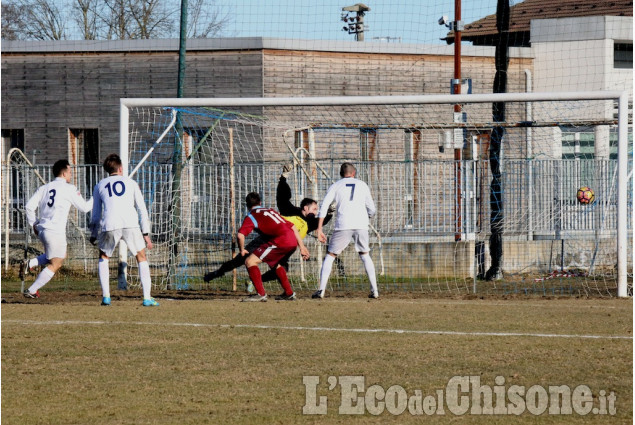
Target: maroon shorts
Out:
[272,254]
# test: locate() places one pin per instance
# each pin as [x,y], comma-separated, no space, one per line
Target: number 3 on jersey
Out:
[51,198]
[352,186]
[114,188]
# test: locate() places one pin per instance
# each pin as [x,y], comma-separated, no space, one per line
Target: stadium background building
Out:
[61,98]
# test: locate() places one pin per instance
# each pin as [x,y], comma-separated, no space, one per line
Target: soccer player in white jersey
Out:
[353,205]
[53,200]
[118,196]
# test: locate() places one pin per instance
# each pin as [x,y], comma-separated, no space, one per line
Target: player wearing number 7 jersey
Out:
[120,198]
[54,201]
[354,205]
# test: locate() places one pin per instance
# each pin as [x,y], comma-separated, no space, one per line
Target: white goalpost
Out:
[195,158]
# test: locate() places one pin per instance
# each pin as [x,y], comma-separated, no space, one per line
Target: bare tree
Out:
[108,19]
[152,19]
[117,20]
[86,14]
[12,23]
[205,19]
[36,20]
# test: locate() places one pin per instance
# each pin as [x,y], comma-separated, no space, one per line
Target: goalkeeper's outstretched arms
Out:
[283,199]
[304,211]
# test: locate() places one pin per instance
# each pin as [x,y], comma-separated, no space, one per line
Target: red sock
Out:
[256,279]
[284,280]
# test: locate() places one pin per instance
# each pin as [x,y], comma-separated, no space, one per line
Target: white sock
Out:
[370,271]
[146,280]
[327,266]
[104,277]
[42,279]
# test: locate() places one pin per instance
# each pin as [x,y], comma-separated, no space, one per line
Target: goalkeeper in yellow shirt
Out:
[304,218]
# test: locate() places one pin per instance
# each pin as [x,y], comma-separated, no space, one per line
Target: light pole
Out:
[355,24]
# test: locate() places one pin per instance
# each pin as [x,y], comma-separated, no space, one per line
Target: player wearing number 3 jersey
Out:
[116,200]
[354,205]
[53,200]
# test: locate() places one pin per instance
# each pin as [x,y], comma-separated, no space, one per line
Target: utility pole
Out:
[455,88]
[458,112]
[458,134]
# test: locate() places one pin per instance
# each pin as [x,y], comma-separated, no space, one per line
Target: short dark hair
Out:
[307,201]
[252,199]
[60,166]
[346,169]
[112,163]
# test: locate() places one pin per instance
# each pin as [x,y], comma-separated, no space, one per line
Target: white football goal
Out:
[466,203]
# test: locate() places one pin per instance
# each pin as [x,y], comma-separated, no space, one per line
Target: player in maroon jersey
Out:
[283,239]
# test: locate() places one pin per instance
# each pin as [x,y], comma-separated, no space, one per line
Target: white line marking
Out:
[318,328]
[475,303]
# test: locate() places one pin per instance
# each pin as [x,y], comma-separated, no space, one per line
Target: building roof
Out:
[521,15]
[249,43]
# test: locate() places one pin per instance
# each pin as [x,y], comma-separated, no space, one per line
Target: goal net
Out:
[464,204]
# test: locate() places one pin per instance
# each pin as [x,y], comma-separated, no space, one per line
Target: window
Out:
[83,146]
[367,143]
[12,138]
[580,143]
[623,55]
[83,150]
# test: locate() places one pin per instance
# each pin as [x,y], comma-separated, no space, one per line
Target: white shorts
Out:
[54,243]
[341,238]
[132,237]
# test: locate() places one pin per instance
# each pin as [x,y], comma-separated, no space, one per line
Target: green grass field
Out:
[208,358]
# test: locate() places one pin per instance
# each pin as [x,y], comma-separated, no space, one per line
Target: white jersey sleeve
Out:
[54,200]
[83,205]
[141,207]
[354,204]
[32,205]
[117,204]
[95,216]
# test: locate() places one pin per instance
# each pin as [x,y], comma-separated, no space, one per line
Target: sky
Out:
[407,21]
[413,21]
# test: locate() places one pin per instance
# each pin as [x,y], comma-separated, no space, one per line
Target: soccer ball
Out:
[585,195]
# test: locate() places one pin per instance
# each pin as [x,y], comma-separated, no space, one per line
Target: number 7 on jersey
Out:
[352,186]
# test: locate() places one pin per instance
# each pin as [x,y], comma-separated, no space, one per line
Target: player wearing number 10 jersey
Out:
[120,198]
[53,200]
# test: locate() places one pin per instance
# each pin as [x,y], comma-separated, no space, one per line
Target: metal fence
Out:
[423,198]
[422,209]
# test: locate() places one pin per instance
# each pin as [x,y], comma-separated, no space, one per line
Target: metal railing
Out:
[413,198]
